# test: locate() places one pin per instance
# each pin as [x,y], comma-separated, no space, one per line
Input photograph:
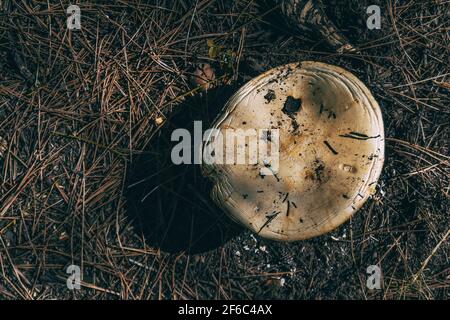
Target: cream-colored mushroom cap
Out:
[331,151]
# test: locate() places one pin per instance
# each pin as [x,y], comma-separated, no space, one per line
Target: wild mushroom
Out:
[309,14]
[331,151]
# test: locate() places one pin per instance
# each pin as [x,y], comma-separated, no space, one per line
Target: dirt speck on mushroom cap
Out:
[270,96]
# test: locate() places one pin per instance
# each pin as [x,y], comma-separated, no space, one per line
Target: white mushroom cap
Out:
[331,151]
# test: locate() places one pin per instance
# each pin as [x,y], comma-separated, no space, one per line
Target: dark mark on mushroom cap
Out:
[358,136]
[269,218]
[291,106]
[330,147]
[270,95]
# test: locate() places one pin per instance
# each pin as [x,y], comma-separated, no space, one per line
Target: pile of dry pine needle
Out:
[77,108]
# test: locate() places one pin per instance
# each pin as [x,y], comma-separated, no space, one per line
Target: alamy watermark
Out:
[374,20]
[74,18]
[374,279]
[228,146]
[74,279]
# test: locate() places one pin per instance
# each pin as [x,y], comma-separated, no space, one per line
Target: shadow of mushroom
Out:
[170,204]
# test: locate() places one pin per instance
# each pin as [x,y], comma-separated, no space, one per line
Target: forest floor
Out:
[85,117]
